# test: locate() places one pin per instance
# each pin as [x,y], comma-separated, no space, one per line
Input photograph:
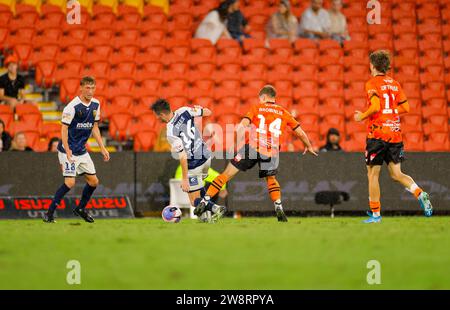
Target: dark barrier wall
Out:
[27,173]
[144,178]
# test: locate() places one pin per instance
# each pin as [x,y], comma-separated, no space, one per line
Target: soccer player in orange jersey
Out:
[267,122]
[386,101]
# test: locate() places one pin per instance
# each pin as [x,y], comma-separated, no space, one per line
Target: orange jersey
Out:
[385,124]
[268,123]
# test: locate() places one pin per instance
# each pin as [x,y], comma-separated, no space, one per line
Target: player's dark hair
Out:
[87,80]
[381,60]
[268,90]
[161,106]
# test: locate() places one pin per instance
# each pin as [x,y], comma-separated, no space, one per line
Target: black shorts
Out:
[247,157]
[378,151]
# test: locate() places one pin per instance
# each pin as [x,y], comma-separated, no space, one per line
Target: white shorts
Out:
[197,175]
[82,164]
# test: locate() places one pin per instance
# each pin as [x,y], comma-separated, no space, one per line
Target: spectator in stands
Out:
[161,144]
[5,138]
[283,24]
[11,83]
[237,24]
[213,26]
[333,138]
[315,22]
[20,143]
[338,22]
[53,145]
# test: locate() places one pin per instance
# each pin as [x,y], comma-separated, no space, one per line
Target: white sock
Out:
[376,214]
[277,204]
[412,188]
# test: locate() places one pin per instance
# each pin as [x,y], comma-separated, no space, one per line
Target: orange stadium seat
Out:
[411,122]
[306,89]
[404,25]
[431,56]
[331,89]
[432,73]
[281,47]
[71,52]
[45,72]
[433,90]
[407,73]
[436,123]
[118,125]
[123,70]
[121,87]
[435,106]
[332,121]
[98,69]
[309,122]
[51,130]
[437,142]
[305,73]
[24,54]
[408,56]
[356,143]
[413,141]
[412,89]
[69,69]
[144,141]
[201,88]
[332,105]
[332,72]
[357,103]
[69,89]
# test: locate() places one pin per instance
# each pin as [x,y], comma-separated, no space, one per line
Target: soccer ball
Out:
[171,214]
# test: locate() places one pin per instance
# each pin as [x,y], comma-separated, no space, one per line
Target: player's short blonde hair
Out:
[381,60]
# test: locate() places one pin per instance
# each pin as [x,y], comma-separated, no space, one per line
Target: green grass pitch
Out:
[250,253]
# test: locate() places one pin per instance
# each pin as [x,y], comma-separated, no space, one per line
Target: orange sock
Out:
[274,188]
[375,206]
[415,190]
[216,185]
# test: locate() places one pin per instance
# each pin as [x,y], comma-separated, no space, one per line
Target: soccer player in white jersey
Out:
[187,144]
[79,120]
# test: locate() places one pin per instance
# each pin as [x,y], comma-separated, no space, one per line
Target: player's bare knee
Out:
[70,182]
[396,176]
[93,181]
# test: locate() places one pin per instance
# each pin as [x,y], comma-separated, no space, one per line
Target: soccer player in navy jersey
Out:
[79,120]
[188,146]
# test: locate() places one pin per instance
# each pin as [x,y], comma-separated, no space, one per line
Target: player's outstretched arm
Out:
[304,137]
[205,111]
[374,107]
[65,142]
[98,137]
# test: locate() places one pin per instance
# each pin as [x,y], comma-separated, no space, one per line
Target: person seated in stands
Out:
[237,24]
[338,22]
[213,26]
[315,22]
[19,143]
[53,145]
[282,24]
[332,145]
[161,144]
[11,83]
[5,138]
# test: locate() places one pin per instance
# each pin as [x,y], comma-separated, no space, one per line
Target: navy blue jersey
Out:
[80,118]
[183,135]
